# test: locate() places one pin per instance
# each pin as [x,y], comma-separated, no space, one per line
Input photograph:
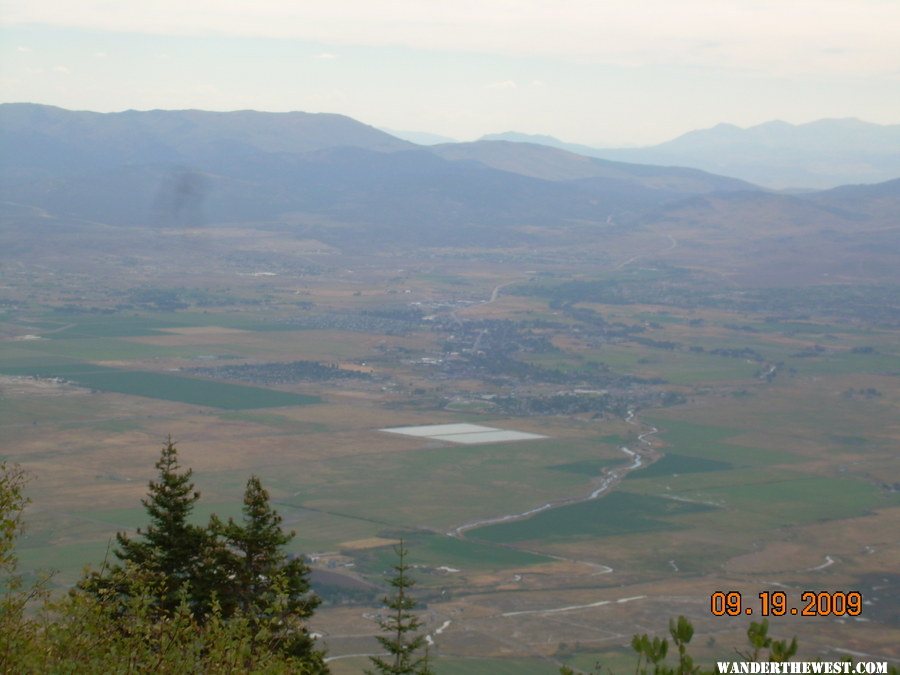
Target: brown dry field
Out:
[103,474]
[91,455]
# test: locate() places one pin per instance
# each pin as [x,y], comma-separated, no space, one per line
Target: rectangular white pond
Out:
[498,436]
[439,429]
[465,434]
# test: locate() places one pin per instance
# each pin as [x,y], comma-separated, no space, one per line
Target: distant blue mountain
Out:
[419,137]
[336,175]
[817,155]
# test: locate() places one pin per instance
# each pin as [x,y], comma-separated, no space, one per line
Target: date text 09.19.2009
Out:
[777,603]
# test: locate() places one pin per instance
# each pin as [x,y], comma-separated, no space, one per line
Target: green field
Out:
[166,387]
[105,349]
[64,562]
[616,513]
[710,442]
[795,500]
[845,362]
[769,497]
[441,487]
[587,467]
[60,326]
[672,465]
[318,531]
[435,550]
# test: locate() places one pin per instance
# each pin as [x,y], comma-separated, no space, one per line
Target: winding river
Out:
[610,478]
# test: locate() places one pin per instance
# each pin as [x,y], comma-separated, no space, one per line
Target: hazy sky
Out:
[591,71]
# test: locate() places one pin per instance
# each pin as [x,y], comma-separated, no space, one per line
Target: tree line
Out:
[182,598]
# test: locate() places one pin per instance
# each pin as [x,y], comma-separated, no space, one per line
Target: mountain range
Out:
[777,155]
[340,181]
[191,167]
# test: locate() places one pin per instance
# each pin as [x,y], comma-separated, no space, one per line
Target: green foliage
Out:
[758,636]
[158,609]
[79,634]
[13,624]
[258,580]
[401,624]
[172,554]
[12,501]
[682,631]
[652,652]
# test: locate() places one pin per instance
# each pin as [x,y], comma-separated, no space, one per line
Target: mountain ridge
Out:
[349,185]
[168,168]
[820,154]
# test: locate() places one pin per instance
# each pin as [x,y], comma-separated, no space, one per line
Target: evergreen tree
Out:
[402,641]
[15,626]
[172,555]
[265,585]
[12,501]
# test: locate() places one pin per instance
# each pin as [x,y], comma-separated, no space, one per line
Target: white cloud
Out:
[504,84]
[324,56]
[63,70]
[763,35]
[22,49]
[100,55]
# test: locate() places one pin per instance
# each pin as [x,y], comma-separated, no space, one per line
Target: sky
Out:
[600,72]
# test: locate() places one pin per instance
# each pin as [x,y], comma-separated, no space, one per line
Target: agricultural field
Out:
[164,386]
[686,446]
